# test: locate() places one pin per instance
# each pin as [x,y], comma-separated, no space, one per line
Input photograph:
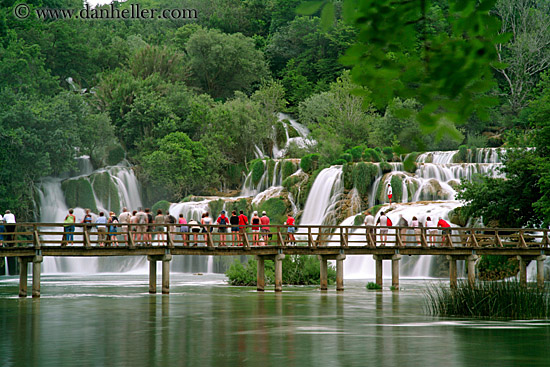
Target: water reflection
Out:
[110,322]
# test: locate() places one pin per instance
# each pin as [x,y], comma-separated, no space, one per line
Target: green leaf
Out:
[327,16]
[309,7]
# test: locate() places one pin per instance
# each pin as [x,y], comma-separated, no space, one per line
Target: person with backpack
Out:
[170,219]
[234,220]
[445,230]
[402,222]
[112,229]
[69,228]
[222,221]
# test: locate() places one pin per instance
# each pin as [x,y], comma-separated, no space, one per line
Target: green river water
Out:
[111,320]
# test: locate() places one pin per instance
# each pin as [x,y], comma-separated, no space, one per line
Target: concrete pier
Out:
[540,270]
[395,271]
[260,274]
[279,272]
[340,272]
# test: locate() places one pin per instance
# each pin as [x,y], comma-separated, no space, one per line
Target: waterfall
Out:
[118,188]
[326,189]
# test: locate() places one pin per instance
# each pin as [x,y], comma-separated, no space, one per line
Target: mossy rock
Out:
[106,191]
[79,193]
[270,170]
[292,132]
[280,134]
[397,188]
[288,168]
[364,174]
[276,209]
[258,169]
[359,220]
[215,207]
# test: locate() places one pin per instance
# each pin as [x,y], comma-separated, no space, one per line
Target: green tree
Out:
[180,165]
[221,64]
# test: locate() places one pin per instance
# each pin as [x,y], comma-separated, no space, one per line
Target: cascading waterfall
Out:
[53,209]
[326,190]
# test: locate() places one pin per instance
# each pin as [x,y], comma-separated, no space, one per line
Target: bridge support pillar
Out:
[472,259]
[340,272]
[324,272]
[165,272]
[23,261]
[152,276]
[166,275]
[36,265]
[540,270]
[452,272]
[279,272]
[395,271]
[523,270]
[379,268]
[260,274]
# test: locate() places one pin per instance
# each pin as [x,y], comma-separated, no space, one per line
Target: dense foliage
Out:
[297,270]
[191,102]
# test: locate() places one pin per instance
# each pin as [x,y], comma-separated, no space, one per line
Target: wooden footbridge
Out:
[30,242]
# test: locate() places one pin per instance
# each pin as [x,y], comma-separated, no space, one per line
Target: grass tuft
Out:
[495,300]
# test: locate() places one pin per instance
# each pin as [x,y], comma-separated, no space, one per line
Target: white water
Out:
[326,189]
[53,209]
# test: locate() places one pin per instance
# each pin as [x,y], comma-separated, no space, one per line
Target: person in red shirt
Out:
[243,221]
[444,231]
[264,221]
[291,229]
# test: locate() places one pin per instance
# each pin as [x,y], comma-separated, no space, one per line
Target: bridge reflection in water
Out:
[30,242]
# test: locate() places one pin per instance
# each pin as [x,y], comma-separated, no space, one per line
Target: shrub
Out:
[270,170]
[371,155]
[115,155]
[276,210]
[364,174]
[234,174]
[388,153]
[347,171]
[346,156]
[280,134]
[288,169]
[385,167]
[397,188]
[462,155]
[357,153]
[339,162]
[371,285]
[359,220]
[258,168]
[297,270]
[495,267]
[409,164]
[309,162]
[507,300]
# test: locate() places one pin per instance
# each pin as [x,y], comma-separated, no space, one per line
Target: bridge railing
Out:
[134,235]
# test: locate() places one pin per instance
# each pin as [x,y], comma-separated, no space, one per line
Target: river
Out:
[111,320]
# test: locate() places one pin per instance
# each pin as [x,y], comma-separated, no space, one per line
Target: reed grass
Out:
[498,300]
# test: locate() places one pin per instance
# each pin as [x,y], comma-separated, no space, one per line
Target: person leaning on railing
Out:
[9,220]
[69,228]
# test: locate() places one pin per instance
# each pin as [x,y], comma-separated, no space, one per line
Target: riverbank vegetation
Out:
[495,300]
[192,115]
[297,270]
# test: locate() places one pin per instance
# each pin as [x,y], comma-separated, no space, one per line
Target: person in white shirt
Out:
[9,219]
[369,223]
[383,222]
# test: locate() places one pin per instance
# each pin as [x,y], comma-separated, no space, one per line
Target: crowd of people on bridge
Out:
[141,228]
[384,223]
